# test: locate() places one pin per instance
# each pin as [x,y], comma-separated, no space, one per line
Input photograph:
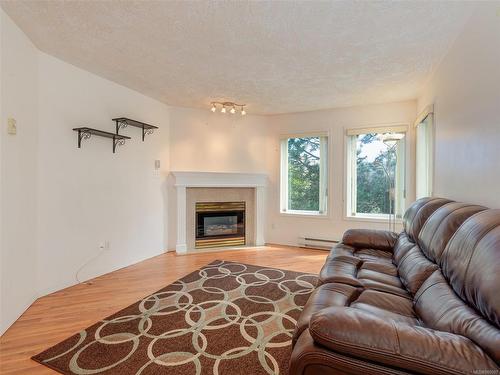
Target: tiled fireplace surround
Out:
[192,187]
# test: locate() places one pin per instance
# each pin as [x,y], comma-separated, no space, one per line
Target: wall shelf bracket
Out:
[123,122]
[86,132]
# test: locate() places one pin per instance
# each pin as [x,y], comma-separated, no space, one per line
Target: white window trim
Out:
[347,204]
[426,115]
[324,172]
[374,218]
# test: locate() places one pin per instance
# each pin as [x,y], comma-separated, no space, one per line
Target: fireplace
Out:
[220,224]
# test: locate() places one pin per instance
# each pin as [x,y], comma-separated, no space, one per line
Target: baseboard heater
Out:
[317,243]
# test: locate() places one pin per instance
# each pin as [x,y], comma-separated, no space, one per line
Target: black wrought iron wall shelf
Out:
[123,122]
[86,133]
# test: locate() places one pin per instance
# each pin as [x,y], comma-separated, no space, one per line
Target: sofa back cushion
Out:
[401,248]
[414,268]
[439,308]
[471,263]
[442,225]
[418,213]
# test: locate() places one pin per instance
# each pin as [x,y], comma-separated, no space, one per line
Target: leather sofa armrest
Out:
[353,332]
[370,239]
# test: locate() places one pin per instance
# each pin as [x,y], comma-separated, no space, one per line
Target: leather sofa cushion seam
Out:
[419,293]
[405,256]
[345,359]
[395,354]
[398,351]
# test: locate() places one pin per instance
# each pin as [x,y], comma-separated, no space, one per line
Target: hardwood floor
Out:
[59,315]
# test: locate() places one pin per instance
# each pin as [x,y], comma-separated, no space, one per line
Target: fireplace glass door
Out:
[220,224]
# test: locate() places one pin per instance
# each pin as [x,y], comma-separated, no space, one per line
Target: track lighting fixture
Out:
[231,105]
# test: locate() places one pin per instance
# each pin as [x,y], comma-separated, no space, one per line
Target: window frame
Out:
[350,171]
[425,119]
[324,184]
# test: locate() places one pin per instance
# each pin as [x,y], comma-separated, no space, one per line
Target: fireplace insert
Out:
[220,224]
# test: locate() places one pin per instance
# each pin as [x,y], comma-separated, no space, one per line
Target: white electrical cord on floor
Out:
[83,266]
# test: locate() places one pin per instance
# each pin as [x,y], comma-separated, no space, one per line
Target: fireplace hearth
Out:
[220,224]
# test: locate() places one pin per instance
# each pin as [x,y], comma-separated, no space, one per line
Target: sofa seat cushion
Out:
[385,268]
[374,255]
[387,306]
[362,268]
[324,296]
[381,287]
[383,305]
[389,302]
[339,271]
[361,334]
[364,274]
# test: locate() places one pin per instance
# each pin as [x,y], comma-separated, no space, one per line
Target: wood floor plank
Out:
[57,316]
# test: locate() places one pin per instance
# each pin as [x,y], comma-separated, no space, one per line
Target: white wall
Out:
[18,179]
[216,142]
[465,90]
[285,229]
[90,195]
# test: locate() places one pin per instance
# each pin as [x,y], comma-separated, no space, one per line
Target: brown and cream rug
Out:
[226,318]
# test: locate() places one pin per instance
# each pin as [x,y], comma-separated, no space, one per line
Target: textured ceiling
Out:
[277,57]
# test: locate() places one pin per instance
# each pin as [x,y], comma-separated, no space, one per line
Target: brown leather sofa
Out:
[426,301]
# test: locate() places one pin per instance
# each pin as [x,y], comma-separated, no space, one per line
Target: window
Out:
[424,156]
[304,174]
[376,172]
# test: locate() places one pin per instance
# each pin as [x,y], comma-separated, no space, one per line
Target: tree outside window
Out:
[375,174]
[304,174]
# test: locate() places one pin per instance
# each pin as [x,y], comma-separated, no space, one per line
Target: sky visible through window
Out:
[370,150]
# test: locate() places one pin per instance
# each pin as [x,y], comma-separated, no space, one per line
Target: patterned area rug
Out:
[226,318]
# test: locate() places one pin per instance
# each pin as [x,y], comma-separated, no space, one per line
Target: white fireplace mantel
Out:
[183,180]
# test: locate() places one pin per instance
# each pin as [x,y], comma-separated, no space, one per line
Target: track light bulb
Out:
[226,107]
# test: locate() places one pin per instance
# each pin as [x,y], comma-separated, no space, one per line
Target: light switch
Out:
[11,126]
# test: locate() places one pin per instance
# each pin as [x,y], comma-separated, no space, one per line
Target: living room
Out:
[249,187]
